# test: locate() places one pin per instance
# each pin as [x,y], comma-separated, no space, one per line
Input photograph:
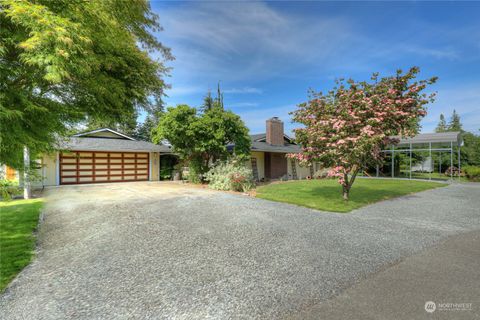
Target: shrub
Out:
[230,175]
[321,173]
[472,172]
[9,188]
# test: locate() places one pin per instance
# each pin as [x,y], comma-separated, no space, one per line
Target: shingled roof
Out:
[94,141]
[99,144]
[259,144]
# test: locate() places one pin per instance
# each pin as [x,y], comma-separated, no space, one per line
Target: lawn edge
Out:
[34,234]
[440,184]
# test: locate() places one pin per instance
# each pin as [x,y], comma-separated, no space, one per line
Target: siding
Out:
[154,166]
[302,172]
[47,171]
[260,156]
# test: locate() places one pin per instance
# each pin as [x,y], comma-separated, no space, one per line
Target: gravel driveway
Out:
[166,251]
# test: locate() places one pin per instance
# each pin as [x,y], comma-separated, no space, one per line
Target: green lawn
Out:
[18,220]
[326,194]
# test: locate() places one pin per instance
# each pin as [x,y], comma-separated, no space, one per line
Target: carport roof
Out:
[98,144]
[439,137]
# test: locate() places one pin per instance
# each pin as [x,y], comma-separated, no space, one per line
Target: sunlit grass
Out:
[18,220]
[326,194]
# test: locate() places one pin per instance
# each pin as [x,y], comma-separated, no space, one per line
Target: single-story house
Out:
[269,150]
[101,156]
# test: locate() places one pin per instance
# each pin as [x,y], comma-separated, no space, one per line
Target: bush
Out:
[9,189]
[230,175]
[321,173]
[472,172]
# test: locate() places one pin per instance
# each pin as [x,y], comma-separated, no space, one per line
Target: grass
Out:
[18,220]
[326,194]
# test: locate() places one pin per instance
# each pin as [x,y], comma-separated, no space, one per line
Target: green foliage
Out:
[324,194]
[470,151]
[19,219]
[454,124]
[62,62]
[472,172]
[442,124]
[209,102]
[230,175]
[9,189]
[202,139]
[144,131]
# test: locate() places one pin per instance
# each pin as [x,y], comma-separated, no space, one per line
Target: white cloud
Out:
[464,99]
[255,119]
[243,90]
[235,40]
[243,104]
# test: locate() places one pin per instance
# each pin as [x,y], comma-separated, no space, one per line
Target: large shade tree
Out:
[346,128]
[66,61]
[200,139]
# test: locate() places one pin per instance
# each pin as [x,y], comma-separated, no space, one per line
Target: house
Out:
[101,156]
[268,154]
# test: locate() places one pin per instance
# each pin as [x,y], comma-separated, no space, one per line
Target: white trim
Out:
[57,169]
[102,130]
[150,166]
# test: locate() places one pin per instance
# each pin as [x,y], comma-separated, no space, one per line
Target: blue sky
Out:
[268,54]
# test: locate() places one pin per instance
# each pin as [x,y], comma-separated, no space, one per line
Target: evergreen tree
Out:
[219,100]
[208,102]
[442,124]
[455,124]
[144,130]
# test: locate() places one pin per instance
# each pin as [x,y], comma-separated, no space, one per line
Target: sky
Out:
[267,55]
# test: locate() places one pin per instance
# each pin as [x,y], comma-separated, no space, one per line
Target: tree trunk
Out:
[346,191]
[27,187]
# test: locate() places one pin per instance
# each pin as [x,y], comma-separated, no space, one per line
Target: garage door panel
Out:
[95,167]
[85,154]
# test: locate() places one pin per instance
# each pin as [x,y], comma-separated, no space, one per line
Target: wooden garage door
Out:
[99,167]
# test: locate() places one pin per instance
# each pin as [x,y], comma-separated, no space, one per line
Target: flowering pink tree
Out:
[347,128]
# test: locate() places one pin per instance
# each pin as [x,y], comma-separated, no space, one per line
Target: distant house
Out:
[268,154]
[101,156]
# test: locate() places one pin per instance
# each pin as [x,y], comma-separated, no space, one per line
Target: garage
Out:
[100,156]
[77,167]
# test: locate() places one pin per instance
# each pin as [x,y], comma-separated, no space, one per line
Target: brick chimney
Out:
[275,132]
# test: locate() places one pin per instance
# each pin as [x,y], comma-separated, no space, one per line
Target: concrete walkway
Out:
[166,251]
[447,275]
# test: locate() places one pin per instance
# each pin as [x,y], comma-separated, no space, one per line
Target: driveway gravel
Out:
[168,251]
